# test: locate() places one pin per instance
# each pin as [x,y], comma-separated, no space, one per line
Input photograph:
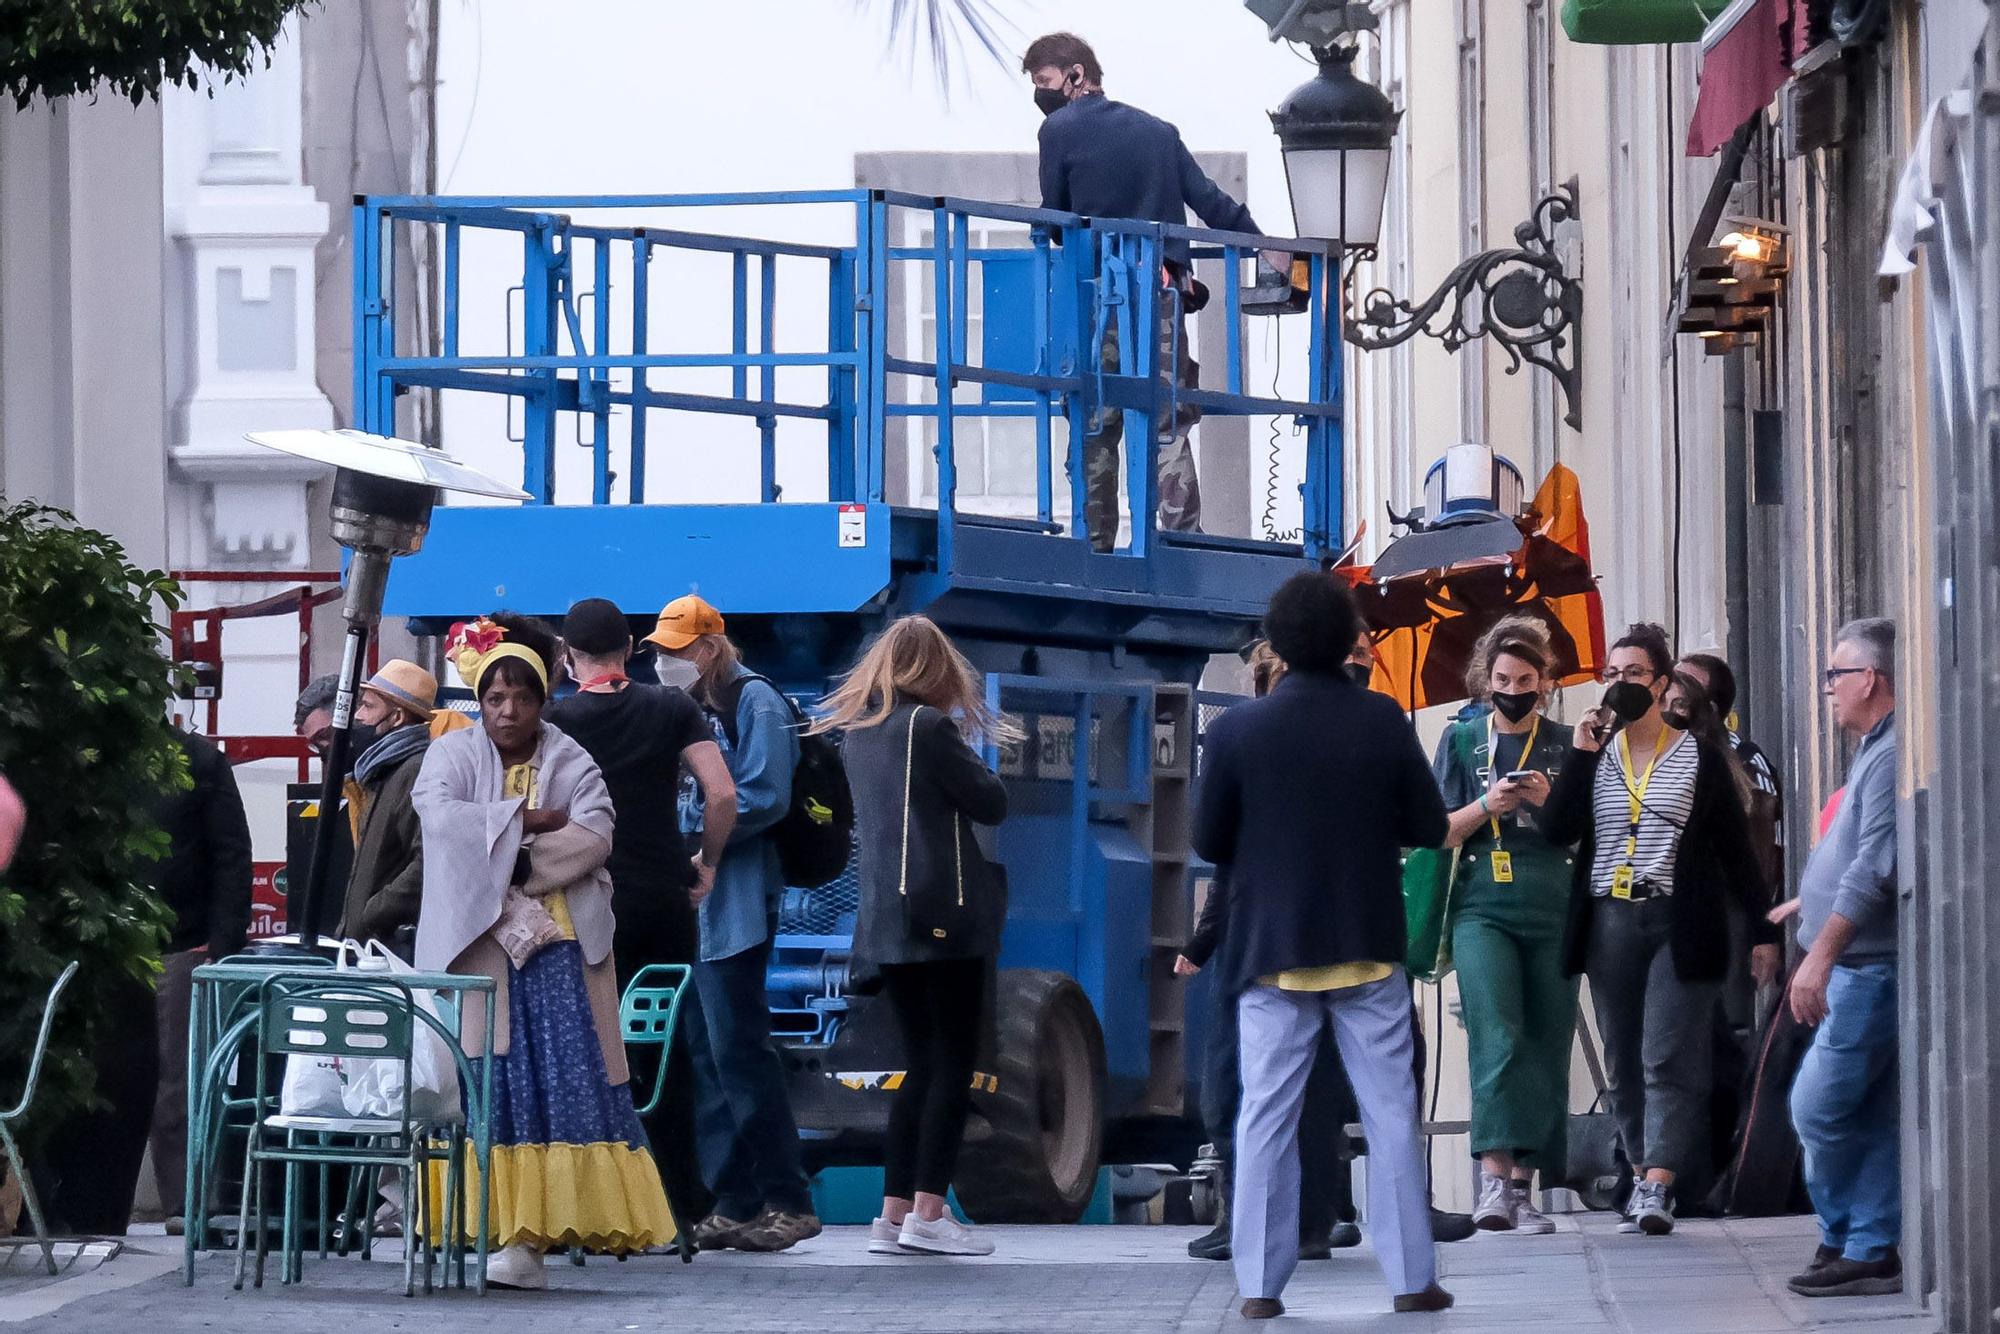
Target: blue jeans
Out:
[1844,1104]
[745,1136]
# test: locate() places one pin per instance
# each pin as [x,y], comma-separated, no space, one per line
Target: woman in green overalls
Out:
[1509,901]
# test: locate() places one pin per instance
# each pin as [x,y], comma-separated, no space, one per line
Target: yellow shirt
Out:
[523,780]
[1333,977]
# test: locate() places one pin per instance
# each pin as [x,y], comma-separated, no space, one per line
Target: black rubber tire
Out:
[1039,1162]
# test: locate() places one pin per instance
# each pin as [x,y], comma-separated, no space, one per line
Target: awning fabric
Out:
[1744,62]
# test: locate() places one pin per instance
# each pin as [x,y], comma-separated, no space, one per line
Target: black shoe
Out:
[1852,1278]
[1450,1227]
[1262,1308]
[1823,1255]
[1316,1245]
[1432,1298]
[1213,1246]
[1344,1235]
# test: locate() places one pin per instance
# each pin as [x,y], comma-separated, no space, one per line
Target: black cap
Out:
[597,628]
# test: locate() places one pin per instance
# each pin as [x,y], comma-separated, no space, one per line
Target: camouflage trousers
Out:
[1179,489]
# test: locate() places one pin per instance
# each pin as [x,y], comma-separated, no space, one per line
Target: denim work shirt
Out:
[748,883]
[1853,870]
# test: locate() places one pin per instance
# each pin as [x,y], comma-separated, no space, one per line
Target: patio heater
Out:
[383,492]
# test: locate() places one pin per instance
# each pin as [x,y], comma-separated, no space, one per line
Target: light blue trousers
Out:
[1844,1104]
[1279,1030]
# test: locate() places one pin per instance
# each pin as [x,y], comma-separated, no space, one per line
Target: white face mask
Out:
[674,671]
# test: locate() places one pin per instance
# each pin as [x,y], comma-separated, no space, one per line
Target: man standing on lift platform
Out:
[1104,159]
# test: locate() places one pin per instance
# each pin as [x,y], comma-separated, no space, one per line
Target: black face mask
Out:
[1628,701]
[1360,673]
[1515,705]
[359,738]
[1051,100]
[1678,718]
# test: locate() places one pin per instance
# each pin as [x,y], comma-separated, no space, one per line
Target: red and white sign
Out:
[853,525]
[267,900]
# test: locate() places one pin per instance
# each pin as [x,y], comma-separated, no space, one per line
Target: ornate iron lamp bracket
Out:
[1524,299]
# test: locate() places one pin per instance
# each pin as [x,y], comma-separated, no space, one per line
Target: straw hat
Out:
[405,685]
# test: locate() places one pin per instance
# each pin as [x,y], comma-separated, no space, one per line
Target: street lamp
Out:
[383,491]
[1335,132]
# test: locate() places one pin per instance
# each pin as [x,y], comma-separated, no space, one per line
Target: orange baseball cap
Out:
[683,621]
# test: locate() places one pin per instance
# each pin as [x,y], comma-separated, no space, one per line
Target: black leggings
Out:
[939,1006]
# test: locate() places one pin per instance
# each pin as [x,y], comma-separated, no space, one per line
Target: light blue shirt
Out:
[1853,870]
[748,883]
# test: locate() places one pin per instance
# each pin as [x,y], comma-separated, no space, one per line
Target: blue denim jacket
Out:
[748,883]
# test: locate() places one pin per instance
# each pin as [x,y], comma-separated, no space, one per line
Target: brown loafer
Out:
[1432,1298]
[1262,1308]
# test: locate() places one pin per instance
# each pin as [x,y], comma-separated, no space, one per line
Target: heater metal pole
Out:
[367,578]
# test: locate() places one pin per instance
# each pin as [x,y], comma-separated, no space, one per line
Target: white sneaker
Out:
[1529,1220]
[1653,1208]
[1630,1223]
[947,1236]
[882,1235]
[1496,1205]
[517,1266]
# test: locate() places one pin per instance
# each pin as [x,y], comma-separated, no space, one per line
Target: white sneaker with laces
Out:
[1653,1209]
[882,1236]
[1496,1205]
[1630,1222]
[1528,1220]
[946,1236]
[517,1266]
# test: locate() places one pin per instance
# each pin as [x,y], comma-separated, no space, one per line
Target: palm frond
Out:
[945,33]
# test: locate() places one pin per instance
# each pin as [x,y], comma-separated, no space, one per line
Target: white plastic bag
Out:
[314,1086]
[375,1088]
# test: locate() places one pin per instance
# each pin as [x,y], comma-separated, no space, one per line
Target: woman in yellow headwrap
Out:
[517,828]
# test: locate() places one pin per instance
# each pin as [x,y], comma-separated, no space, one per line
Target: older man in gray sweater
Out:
[1844,1101]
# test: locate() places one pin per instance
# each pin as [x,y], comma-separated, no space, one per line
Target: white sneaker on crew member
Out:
[945,1236]
[517,1266]
[882,1235]
[1496,1204]
[1529,1220]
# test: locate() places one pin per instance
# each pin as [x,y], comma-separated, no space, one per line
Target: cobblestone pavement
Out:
[1708,1278]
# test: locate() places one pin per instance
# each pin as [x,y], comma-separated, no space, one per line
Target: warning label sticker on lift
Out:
[853,525]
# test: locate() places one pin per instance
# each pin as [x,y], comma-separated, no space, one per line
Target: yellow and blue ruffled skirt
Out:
[571,1165]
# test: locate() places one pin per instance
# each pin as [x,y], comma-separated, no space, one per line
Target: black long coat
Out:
[919,750]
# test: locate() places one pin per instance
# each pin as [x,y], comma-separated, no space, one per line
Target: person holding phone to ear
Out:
[1510,899]
[1664,846]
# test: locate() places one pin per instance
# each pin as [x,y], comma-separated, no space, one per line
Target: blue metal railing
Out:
[1088,280]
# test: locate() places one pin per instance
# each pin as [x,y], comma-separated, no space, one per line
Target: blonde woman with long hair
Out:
[931,906]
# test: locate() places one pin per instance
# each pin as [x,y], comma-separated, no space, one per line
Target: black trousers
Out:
[665,931]
[940,1008]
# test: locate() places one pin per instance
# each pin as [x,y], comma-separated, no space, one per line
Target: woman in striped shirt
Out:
[1664,848]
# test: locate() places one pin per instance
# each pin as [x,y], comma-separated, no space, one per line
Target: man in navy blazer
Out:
[1309,796]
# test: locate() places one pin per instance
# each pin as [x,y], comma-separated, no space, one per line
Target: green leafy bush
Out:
[52,48]
[84,738]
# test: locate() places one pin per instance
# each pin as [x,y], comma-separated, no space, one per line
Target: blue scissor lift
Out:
[1098,655]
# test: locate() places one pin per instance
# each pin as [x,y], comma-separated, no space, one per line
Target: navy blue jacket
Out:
[1309,796]
[1103,159]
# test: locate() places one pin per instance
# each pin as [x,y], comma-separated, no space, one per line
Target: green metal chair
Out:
[14,1164]
[648,1014]
[355,1018]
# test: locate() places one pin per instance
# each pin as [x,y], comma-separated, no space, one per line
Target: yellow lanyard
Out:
[1637,795]
[1493,762]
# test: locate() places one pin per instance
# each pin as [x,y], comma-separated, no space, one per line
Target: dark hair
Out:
[531,633]
[1706,720]
[1312,623]
[1060,50]
[1520,636]
[318,694]
[1721,680]
[596,628]
[1650,637]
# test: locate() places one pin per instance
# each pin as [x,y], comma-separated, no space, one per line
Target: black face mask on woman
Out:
[1628,701]
[1514,705]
